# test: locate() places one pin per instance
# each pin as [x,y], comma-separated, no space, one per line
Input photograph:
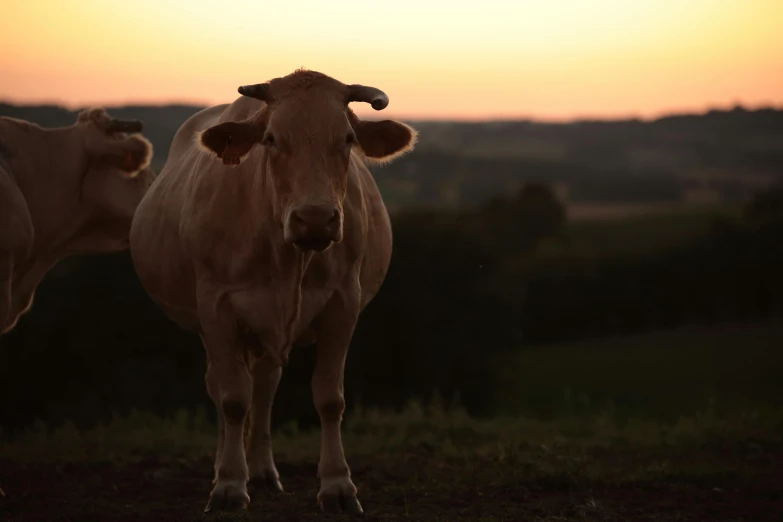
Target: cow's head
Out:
[117,173]
[308,132]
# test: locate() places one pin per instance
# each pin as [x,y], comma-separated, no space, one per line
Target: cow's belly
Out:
[20,305]
[17,292]
[175,293]
[161,265]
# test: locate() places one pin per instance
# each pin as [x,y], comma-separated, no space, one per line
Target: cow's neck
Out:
[50,180]
[51,183]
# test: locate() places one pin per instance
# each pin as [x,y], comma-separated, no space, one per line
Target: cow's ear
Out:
[384,141]
[130,155]
[230,141]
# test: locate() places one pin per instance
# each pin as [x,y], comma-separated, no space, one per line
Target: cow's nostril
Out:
[335,217]
[298,219]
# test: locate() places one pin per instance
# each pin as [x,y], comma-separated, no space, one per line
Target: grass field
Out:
[663,375]
[674,460]
[606,230]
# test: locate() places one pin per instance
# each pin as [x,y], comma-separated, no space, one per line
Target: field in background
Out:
[716,155]
[608,230]
[665,375]
[662,374]
[581,212]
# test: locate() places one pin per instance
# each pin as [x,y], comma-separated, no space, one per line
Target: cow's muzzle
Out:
[314,227]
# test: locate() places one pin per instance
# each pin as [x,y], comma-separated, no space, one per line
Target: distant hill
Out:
[719,155]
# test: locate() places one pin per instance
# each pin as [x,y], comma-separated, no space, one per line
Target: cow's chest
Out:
[275,312]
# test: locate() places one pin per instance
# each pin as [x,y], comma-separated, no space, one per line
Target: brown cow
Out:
[64,191]
[281,243]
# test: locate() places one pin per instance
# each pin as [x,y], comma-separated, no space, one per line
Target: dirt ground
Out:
[602,485]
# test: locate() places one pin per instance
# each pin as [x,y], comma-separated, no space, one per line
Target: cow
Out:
[64,191]
[265,230]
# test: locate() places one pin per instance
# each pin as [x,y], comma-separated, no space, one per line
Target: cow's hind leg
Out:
[214,393]
[260,461]
[338,492]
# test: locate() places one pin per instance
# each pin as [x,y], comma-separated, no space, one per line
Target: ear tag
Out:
[231,153]
[128,163]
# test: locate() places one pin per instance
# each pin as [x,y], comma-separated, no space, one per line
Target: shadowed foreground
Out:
[418,465]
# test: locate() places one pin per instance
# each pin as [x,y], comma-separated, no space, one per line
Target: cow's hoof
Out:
[268,482]
[340,504]
[228,496]
[338,495]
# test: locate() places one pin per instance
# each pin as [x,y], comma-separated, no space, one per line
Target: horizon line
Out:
[489,118]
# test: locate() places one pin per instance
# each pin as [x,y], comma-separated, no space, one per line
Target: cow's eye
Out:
[269,140]
[350,139]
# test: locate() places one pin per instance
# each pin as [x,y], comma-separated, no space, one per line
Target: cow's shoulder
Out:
[185,138]
[212,201]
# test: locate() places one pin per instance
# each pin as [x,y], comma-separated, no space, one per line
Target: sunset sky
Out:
[546,59]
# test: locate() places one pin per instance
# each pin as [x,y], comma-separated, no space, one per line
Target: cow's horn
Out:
[124,126]
[259,91]
[375,97]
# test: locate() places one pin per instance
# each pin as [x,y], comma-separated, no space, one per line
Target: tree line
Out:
[463,285]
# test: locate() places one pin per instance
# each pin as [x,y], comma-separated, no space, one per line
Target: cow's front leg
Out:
[228,372]
[214,393]
[338,492]
[213,390]
[260,462]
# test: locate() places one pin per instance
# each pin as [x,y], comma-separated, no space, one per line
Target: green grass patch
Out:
[663,375]
[427,429]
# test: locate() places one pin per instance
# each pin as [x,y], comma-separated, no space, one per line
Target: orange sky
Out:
[547,59]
